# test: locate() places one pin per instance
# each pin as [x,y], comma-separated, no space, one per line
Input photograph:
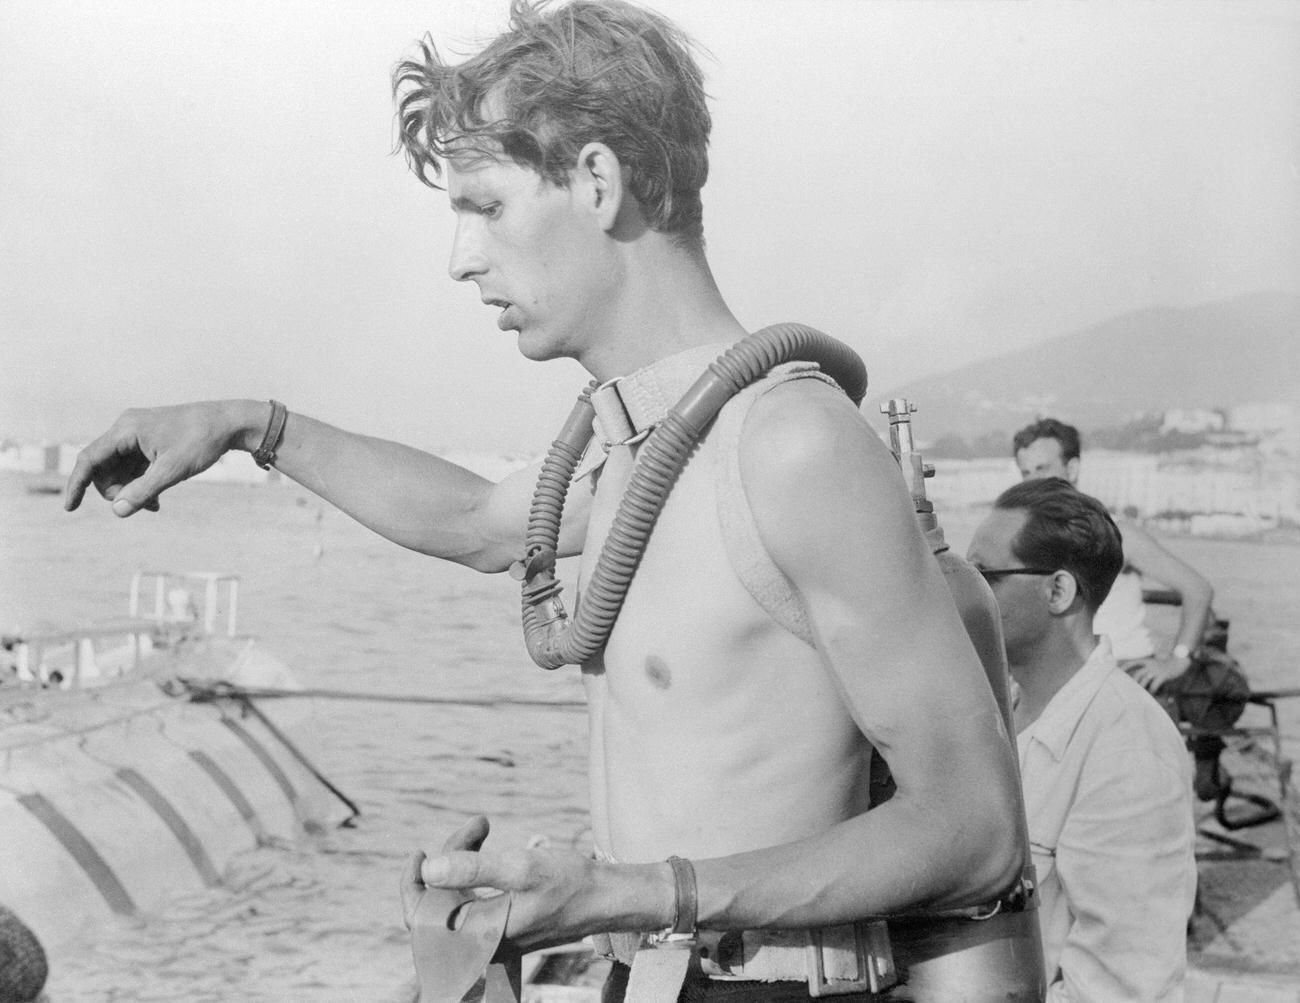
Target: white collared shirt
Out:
[1108,799]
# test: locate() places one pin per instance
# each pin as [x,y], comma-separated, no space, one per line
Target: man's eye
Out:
[492,210]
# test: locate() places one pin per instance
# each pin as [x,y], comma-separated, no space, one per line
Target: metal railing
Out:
[39,659]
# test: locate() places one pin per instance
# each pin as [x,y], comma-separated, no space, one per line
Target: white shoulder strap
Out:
[749,558]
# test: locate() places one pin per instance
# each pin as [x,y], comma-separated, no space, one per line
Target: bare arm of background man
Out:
[837,519]
[410,497]
[1144,553]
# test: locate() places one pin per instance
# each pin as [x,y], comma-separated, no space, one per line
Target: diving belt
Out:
[832,961]
[457,941]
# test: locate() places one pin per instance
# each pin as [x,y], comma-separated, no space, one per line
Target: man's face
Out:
[1022,599]
[533,252]
[1042,458]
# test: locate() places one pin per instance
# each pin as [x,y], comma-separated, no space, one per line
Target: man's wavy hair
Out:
[1049,428]
[1065,528]
[589,71]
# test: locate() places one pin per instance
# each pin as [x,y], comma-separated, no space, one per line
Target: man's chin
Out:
[536,349]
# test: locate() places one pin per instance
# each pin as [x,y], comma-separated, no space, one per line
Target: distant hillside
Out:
[1216,355]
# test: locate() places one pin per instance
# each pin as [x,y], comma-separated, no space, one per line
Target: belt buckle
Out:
[875,958]
[670,940]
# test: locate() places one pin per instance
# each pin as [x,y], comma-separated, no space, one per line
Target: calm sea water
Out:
[347,610]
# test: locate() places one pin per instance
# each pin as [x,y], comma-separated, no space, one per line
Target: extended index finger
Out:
[90,459]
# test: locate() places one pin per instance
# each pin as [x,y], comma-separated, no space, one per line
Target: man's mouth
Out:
[503,319]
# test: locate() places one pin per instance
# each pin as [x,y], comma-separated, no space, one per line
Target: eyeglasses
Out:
[992,575]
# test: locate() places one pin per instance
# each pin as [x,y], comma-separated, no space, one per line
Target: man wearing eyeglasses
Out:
[1106,781]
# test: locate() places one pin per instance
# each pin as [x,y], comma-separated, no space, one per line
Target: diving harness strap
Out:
[628,408]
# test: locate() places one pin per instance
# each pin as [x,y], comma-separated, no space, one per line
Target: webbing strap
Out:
[634,404]
[501,982]
[628,408]
[658,973]
[746,552]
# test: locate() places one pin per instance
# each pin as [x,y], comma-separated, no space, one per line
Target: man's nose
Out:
[467,259]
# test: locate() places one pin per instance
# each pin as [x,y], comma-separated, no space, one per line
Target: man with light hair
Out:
[730,746]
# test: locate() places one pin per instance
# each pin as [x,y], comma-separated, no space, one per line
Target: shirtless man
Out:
[716,734]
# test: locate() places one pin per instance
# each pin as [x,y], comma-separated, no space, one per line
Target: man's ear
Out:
[1064,591]
[1072,470]
[599,177]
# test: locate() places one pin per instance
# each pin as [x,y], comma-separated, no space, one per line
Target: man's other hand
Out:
[550,887]
[1155,672]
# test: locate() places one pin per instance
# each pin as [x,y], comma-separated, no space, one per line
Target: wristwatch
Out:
[1181,651]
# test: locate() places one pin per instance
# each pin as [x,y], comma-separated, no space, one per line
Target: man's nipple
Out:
[657,671]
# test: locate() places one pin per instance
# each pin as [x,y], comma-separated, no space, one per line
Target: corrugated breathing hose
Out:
[552,641]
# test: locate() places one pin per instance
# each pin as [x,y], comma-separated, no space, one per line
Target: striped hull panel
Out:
[128,815]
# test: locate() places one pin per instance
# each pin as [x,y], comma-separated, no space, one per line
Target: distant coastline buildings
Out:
[1203,496]
[1244,480]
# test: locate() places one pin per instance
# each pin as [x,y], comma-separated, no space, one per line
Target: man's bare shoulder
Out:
[809,426]
[811,463]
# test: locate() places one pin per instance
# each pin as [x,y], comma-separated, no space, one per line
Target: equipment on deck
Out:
[997,955]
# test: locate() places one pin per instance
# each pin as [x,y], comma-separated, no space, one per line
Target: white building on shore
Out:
[1238,492]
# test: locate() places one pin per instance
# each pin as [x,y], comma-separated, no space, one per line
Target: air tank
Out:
[962,959]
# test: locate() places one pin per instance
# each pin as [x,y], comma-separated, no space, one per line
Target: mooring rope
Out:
[208,690]
[212,689]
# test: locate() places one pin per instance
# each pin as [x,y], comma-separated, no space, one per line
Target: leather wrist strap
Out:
[264,455]
[687,896]
[663,961]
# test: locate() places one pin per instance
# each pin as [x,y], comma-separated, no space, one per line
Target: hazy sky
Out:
[201,200]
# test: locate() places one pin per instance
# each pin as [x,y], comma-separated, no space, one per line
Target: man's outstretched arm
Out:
[411,497]
[1144,553]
